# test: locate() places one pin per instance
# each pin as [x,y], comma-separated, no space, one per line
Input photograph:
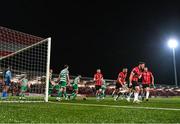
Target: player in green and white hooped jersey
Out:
[64,81]
[103,87]
[24,87]
[75,87]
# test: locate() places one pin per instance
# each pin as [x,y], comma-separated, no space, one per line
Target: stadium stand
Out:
[86,87]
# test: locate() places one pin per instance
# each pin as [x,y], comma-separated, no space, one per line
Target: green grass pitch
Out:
[157,110]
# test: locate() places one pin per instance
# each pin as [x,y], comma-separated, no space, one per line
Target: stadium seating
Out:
[86,87]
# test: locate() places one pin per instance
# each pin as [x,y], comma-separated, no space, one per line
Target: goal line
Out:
[21,101]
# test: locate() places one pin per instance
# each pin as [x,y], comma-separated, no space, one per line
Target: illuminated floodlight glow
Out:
[172,43]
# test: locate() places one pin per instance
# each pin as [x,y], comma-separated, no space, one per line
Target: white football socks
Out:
[147,94]
[136,96]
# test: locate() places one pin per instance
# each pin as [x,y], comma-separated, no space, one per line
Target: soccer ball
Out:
[58,99]
[84,98]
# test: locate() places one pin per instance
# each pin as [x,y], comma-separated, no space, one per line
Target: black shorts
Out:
[135,84]
[129,85]
[97,87]
[118,85]
[145,86]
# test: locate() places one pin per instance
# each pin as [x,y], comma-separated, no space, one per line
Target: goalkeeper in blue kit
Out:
[7,83]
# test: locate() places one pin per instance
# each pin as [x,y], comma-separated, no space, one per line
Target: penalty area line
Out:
[116,106]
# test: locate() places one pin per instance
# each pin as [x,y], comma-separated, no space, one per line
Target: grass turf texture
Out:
[78,111]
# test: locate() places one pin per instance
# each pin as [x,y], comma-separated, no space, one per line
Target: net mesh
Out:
[26,57]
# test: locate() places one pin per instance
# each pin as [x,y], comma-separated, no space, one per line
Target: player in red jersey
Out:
[147,80]
[120,83]
[135,75]
[98,79]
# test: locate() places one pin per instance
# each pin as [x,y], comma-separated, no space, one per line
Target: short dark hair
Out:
[65,66]
[79,75]
[141,63]
[9,68]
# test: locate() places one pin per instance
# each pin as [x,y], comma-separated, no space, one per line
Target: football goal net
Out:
[24,67]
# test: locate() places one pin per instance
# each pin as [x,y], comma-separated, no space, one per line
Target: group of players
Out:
[140,80]
[63,82]
[7,83]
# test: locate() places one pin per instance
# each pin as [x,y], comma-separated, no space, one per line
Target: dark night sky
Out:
[101,34]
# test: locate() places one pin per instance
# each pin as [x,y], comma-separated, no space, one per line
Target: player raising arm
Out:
[147,80]
[64,81]
[98,78]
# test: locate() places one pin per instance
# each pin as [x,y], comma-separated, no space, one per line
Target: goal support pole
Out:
[48,69]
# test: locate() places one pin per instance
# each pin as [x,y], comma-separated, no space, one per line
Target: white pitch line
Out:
[21,101]
[116,106]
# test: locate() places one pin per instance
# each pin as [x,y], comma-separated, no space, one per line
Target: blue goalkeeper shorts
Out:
[7,83]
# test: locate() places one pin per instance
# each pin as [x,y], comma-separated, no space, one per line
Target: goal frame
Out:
[47,67]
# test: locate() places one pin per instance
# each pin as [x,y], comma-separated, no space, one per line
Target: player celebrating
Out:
[135,75]
[121,82]
[75,87]
[24,86]
[7,82]
[98,78]
[147,80]
[64,81]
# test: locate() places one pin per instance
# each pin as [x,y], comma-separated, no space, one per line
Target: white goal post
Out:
[47,69]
